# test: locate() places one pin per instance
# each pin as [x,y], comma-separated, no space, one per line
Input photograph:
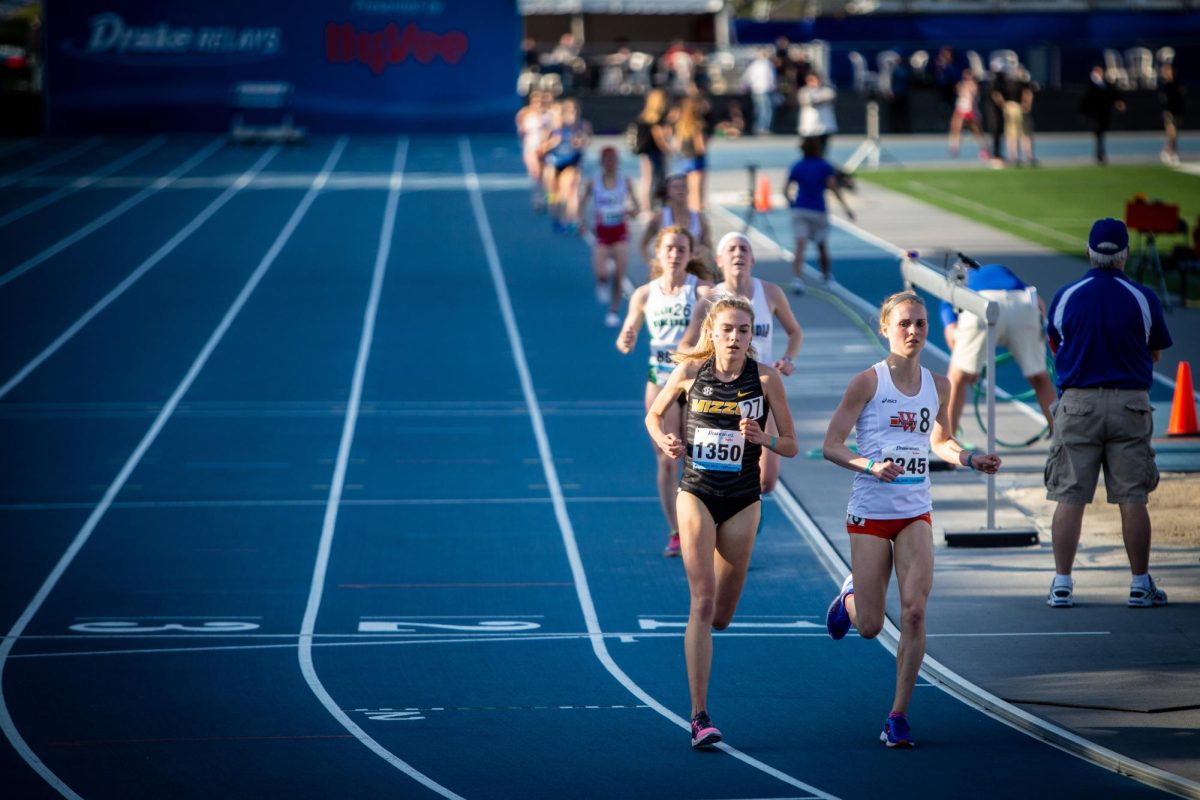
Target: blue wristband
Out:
[969,465]
[870,463]
[773,439]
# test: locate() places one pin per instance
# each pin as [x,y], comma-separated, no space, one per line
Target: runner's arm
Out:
[858,394]
[946,446]
[627,338]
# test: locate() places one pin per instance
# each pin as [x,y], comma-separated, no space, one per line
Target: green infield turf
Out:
[1055,206]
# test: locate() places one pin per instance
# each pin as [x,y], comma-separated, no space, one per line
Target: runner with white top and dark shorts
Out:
[728,396]
[675,211]
[666,303]
[899,411]
[735,258]
[614,201]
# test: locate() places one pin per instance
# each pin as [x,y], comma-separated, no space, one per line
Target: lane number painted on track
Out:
[483,626]
[129,626]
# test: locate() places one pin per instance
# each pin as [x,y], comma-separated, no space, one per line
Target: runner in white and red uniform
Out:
[899,410]
[613,200]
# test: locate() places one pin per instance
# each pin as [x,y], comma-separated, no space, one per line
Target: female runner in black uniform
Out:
[728,396]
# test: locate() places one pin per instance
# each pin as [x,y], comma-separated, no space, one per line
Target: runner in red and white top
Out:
[899,410]
[613,201]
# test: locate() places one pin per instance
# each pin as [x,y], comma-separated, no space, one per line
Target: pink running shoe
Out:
[704,733]
[672,548]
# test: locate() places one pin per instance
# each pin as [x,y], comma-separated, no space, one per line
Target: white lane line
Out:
[324,548]
[81,183]
[599,647]
[98,223]
[47,163]
[136,275]
[376,640]
[6,721]
[978,698]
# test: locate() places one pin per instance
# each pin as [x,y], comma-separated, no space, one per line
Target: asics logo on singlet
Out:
[904,420]
[716,407]
[889,400]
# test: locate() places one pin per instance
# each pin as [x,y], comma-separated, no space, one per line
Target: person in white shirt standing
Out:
[759,80]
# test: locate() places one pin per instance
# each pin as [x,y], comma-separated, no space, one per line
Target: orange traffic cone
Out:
[762,194]
[1183,407]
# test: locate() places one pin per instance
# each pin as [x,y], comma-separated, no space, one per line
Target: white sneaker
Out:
[611,320]
[603,294]
[797,286]
[1061,596]
[1147,598]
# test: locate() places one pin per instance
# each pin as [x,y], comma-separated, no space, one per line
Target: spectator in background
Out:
[805,189]
[817,117]
[896,93]
[1107,332]
[946,75]
[653,147]
[993,95]
[564,59]
[1099,101]
[1028,88]
[760,81]
[1019,328]
[966,112]
[1170,97]
[691,146]
[681,67]
[1015,96]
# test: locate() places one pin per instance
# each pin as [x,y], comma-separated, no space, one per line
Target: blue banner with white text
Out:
[134,66]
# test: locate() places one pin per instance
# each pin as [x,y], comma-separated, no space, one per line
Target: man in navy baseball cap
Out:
[1108,238]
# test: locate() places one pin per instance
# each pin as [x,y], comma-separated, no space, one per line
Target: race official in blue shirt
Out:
[1106,332]
[1019,328]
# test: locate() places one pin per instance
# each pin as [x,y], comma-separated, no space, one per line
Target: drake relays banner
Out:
[133,66]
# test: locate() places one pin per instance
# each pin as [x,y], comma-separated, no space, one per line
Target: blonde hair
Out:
[655,108]
[705,348]
[907,296]
[691,119]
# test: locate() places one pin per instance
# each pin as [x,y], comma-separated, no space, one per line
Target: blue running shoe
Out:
[896,732]
[837,619]
[704,733]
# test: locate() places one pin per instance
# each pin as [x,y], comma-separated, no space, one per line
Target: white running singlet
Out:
[609,204]
[667,317]
[764,321]
[693,226]
[895,427]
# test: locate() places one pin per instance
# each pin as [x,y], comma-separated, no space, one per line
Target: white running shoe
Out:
[603,294]
[611,320]
[1061,596]
[1147,598]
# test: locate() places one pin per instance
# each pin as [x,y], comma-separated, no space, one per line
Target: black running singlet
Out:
[719,459]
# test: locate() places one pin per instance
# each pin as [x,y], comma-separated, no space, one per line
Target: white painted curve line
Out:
[325,547]
[133,277]
[51,161]
[98,223]
[6,645]
[596,635]
[82,183]
[978,698]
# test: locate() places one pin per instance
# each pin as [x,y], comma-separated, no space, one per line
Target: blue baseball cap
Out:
[1109,236]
